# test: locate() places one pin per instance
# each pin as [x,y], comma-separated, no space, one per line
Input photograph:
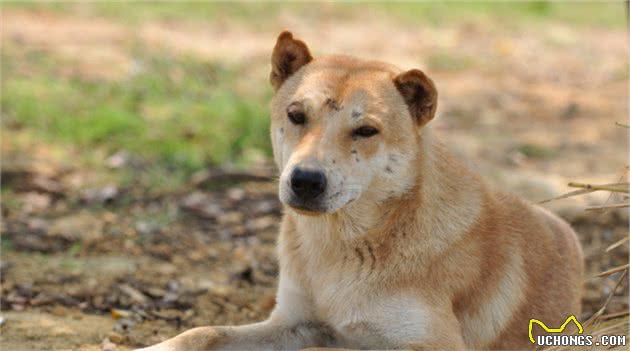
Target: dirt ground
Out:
[112,268]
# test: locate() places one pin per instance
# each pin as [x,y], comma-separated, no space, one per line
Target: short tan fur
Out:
[391,241]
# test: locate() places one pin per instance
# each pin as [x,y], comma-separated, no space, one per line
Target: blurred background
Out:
[138,196]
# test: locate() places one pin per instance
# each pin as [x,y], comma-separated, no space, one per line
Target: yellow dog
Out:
[388,241]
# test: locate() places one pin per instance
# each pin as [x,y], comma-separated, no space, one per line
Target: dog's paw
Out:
[204,338]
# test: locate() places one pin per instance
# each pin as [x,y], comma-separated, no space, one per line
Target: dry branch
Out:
[614,187]
[605,207]
[617,244]
[599,313]
[613,270]
[589,188]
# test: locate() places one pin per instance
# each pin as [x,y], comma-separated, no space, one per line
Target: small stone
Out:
[220,290]
[202,205]
[133,293]
[265,207]
[236,194]
[166,269]
[261,223]
[116,338]
[107,345]
[188,314]
[144,228]
[100,195]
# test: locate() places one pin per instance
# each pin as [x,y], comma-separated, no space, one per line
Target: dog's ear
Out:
[419,93]
[288,56]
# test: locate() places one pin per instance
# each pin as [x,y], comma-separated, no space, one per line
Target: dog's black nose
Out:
[307,184]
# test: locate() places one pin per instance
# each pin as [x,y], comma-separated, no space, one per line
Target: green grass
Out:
[181,113]
[186,112]
[536,151]
[590,13]
[186,120]
[587,13]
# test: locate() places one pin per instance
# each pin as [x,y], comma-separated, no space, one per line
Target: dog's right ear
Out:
[288,56]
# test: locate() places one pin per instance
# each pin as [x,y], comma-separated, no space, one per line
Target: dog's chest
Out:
[341,288]
[338,297]
[364,315]
[346,283]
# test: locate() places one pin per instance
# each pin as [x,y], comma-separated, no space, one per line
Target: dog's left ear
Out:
[419,93]
[288,56]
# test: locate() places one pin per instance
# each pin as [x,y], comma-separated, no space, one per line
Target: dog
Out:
[388,240]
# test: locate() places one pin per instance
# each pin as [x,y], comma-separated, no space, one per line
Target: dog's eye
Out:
[297,117]
[365,132]
[296,114]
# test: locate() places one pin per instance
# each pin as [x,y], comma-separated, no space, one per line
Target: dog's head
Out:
[344,129]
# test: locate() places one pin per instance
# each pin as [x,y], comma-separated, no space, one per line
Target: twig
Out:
[610,328]
[604,207]
[588,188]
[622,125]
[616,187]
[614,270]
[615,315]
[569,194]
[621,177]
[617,244]
[610,296]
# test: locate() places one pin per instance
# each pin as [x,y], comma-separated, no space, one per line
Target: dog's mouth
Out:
[314,208]
[307,208]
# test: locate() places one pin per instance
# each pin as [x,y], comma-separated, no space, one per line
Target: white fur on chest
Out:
[361,312]
[368,322]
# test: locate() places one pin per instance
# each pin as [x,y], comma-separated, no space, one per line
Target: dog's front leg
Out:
[289,327]
[267,335]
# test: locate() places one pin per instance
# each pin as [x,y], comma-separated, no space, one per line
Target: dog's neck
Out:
[441,202]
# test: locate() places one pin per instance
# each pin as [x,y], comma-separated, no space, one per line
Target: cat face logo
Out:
[553,330]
